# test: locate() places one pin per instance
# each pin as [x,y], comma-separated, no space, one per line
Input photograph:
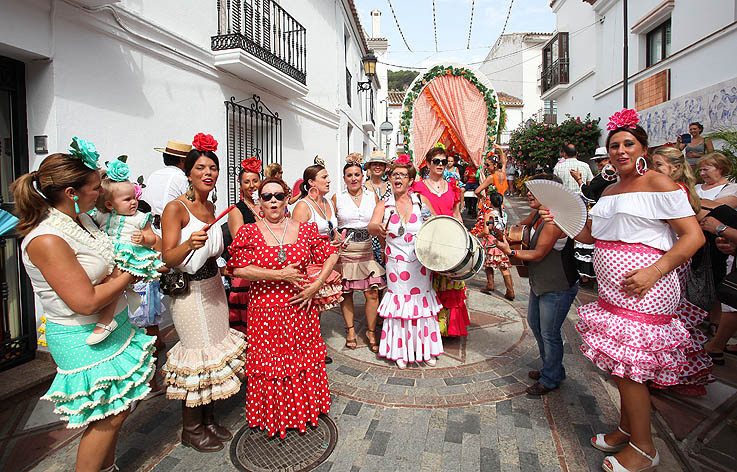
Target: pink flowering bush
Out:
[538,143]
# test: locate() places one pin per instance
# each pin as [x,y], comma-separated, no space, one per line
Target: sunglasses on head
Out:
[280,196]
[438,162]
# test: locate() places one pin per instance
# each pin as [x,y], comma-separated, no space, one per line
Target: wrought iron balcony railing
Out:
[266,31]
[555,74]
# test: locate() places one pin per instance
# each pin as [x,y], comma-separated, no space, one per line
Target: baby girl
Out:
[117,214]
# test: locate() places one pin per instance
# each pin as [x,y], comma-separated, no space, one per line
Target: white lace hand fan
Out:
[565,205]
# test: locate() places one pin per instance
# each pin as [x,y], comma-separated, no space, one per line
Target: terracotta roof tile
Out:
[396,97]
[509,100]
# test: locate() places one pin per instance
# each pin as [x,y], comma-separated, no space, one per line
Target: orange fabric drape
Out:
[448,128]
[427,128]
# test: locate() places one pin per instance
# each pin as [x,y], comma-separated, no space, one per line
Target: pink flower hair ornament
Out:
[627,118]
[138,190]
[403,159]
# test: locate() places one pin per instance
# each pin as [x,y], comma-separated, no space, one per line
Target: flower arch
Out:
[436,89]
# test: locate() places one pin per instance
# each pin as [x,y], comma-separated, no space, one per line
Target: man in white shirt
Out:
[570,163]
[166,184]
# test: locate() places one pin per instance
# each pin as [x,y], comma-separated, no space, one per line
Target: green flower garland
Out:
[493,127]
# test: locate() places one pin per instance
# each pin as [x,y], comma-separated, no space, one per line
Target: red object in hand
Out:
[209,225]
[204,142]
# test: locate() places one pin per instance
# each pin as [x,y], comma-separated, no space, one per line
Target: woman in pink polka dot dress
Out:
[410,332]
[285,364]
[643,228]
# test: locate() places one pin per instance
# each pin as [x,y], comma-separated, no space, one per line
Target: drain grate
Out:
[252,450]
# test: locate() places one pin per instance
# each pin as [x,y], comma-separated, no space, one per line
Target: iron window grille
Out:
[555,62]
[253,131]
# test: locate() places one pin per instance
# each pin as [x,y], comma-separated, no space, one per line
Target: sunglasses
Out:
[438,162]
[280,196]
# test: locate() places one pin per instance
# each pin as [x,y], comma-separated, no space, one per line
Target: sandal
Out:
[599,443]
[611,464]
[350,343]
[374,346]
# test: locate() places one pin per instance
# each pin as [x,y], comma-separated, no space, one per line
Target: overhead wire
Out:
[394,14]
[470,25]
[504,28]
[434,26]
[574,33]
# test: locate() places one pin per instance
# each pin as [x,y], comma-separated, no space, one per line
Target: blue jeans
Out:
[545,315]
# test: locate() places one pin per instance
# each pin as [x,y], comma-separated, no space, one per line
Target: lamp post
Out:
[369,69]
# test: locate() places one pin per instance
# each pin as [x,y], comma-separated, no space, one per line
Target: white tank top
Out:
[316,217]
[351,216]
[213,246]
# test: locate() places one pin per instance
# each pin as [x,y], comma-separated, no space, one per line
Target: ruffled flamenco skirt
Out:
[410,306]
[696,373]
[331,292]
[238,303]
[495,258]
[207,362]
[641,340]
[139,261]
[287,381]
[93,382]
[359,269]
[453,316]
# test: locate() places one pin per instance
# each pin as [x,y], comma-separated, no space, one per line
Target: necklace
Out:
[357,196]
[281,256]
[252,207]
[436,188]
[403,217]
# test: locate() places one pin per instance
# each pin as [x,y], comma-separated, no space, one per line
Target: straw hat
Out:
[377,156]
[175,148]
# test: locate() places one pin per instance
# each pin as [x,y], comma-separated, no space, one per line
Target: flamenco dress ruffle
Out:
[207,362]
[94,382]
[495,258]
[330,293]
[640,340]
[454,314]
[359,269]
[139,261]
[697,371]
[410,330]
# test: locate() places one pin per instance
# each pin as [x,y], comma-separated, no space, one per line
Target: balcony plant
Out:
[534,144]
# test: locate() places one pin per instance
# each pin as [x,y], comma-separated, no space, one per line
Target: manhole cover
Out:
[252,450]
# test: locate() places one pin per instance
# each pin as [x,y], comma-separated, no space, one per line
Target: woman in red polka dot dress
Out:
[410,306]
[285,364]
[643,228]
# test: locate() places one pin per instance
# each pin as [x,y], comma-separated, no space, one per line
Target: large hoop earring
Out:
[190,193]
[609,173]
[641,165]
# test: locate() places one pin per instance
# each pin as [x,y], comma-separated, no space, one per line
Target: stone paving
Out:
[468,413]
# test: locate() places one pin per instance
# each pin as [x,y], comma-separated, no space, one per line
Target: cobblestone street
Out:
[468,413]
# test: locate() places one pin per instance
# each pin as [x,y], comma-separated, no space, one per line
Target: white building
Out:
[128,75]
[512,65]
[679,67]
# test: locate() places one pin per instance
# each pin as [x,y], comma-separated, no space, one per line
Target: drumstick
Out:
[386,226]
[207,227]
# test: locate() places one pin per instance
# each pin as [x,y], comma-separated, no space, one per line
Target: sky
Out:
[452,20]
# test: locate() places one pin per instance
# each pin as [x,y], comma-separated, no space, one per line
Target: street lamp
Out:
[369,69]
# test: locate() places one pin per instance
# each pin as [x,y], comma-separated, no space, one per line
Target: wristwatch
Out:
[513,253]
[720,229]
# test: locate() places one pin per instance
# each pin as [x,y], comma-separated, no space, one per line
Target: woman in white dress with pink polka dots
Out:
[410,306]
[643,228]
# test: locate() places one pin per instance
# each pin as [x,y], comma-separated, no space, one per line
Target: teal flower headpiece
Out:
[118,171]
[84,151]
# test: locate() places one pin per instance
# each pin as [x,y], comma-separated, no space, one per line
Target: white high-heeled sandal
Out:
[599,443]
[112,468]
[617,467]
[431,362]
[401,364]
[95,338]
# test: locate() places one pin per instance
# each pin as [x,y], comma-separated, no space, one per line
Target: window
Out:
[555,62]
[348,88]
[658,43]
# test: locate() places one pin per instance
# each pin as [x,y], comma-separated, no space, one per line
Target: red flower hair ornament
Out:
[403,159]
[204,142]
[252,164]
[627,118]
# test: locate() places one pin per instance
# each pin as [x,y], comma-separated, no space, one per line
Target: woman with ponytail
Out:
[72,269]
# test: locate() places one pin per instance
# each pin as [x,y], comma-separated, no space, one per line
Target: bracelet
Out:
[656,266]
[321,281]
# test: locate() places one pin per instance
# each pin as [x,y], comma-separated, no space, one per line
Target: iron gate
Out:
[253,131]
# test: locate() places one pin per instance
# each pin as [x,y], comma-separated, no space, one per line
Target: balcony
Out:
[555,74]
[258,41]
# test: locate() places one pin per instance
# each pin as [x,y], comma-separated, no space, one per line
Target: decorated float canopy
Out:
[455,105]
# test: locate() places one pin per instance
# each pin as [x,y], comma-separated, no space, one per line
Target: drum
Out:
[443,245]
